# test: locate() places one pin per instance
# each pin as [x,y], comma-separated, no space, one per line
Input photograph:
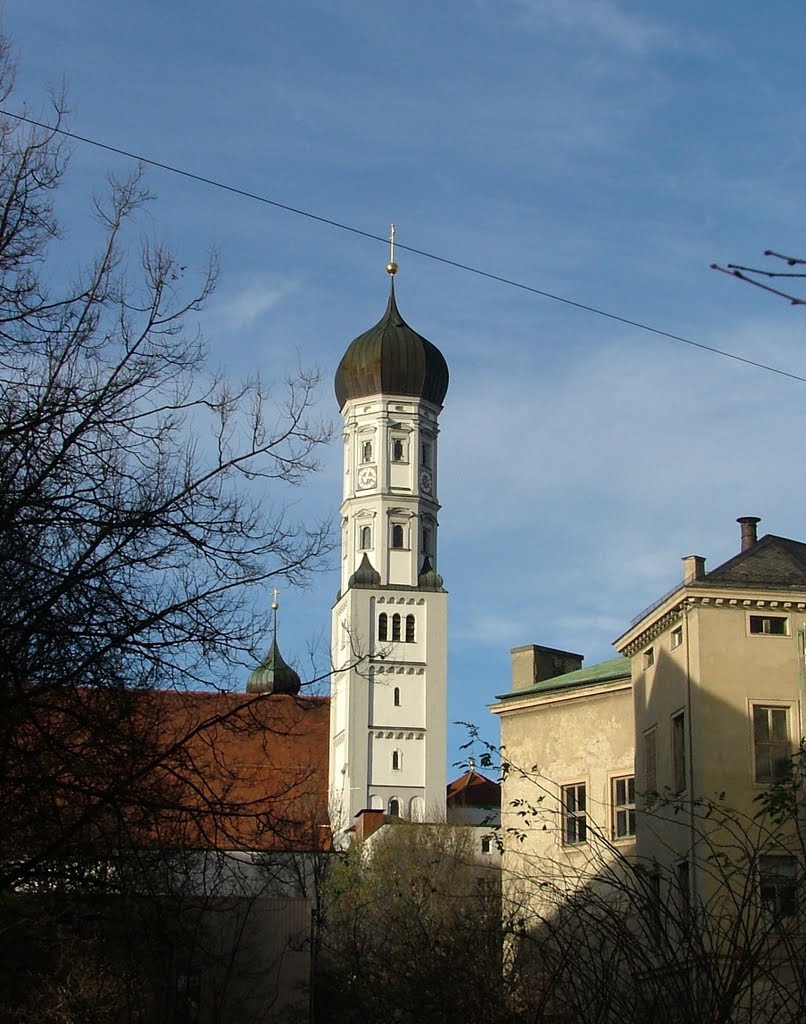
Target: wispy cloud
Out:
[242,308]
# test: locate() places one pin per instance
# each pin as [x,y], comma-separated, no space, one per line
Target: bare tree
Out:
[143,499]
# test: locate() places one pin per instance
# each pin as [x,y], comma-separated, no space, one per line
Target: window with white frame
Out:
[383,626]
[677,637]
[769,625]
[397,536]
[365,538]
[623,797]
[366,451]
[410,629]
[778,881]
[396,627]
[398,449]
[575,817]
[771,742]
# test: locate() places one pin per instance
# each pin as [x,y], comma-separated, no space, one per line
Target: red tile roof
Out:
[473,790]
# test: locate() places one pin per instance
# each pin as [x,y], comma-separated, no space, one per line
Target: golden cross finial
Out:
[391,266]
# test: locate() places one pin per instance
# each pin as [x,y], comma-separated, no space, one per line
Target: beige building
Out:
[634,814]
[569,788]
[718,676]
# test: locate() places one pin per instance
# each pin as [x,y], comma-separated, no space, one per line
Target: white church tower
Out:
[389,628]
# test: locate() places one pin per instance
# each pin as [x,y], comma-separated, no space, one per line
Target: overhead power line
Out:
[151,162]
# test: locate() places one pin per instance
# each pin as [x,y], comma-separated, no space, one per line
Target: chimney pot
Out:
[749,532]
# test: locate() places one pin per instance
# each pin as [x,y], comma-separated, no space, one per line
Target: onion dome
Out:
[429,578]
[273,675]
[366,575]
[393,359]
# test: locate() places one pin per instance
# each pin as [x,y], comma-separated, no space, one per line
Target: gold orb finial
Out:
[391,266]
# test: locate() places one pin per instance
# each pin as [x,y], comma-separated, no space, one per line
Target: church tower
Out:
[389,627]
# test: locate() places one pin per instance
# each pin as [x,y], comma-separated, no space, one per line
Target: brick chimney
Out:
[749,533]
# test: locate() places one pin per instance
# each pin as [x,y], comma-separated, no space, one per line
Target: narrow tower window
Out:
[398,450]
[427,538]
[396,626]
[366,451]
[397,536]
[397,761]
[409,629]
[366,537]
[397,696]
[383,626]
[425,455]
[394,808]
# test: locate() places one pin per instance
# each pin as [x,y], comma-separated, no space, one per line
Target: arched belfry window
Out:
[383,626]
[397,696]
[397,536]
[409,629]
[396,626]
[365,537]
[394,807]
[366,451]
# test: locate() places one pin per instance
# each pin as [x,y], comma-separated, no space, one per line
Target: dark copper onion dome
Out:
[273,675]
[392,359]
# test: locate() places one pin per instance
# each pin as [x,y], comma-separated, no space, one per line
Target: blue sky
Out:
[602,150]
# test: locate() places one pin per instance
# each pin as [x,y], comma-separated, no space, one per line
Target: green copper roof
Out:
[273,675]
[595,675]
[393,359]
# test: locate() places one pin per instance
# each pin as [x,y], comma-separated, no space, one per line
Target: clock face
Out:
[425,480]
[366,477]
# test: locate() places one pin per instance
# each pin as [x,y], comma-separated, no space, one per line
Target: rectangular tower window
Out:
[425,455]
[677,637]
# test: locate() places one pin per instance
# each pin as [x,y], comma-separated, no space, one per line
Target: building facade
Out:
[389,623]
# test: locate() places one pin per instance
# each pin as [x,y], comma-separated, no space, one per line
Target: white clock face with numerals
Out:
[366,477]
[425,480]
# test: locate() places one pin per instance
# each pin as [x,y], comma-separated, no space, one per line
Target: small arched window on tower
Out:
[409,629]
[397,536]
[397,761]
[398,450]
[383,626]
[394,807]
[365,538]
[366,451]
[396,626]
[397,696]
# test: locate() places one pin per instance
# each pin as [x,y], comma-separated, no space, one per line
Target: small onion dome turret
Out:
[429,578]
[366,575]
[273,675]
[393,359]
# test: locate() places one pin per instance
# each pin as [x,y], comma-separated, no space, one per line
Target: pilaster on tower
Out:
[389,625]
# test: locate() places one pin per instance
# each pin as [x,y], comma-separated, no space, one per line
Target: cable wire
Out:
[468,268]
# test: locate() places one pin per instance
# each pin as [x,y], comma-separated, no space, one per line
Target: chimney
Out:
[749,534]
[693,568]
